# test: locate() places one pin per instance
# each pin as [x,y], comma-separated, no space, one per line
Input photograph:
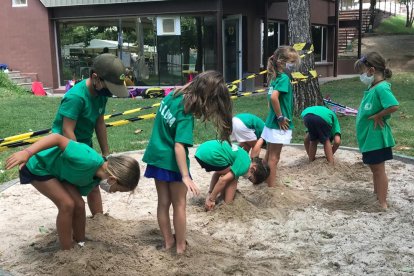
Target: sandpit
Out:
[320,220]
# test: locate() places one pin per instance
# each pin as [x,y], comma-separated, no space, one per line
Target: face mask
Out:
[105,185]
[290,67]
[366,80]
[103,91]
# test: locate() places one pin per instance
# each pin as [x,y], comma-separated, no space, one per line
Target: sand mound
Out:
[320,220]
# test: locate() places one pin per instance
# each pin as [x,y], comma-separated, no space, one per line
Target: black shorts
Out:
[208,167]
[377,156]
[26,177]
[318,129]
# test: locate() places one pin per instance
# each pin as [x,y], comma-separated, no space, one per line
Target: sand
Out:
[320,220]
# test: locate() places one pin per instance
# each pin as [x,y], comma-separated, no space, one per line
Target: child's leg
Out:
[55,191]
[95,201]
[313,147]
[178,194]
[380,183]
[306,143]
[163,212]
[79,214]
[327,147]
[230,191]
[273,153]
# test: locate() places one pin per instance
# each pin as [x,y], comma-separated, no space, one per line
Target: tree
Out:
[306,93]
[409,6]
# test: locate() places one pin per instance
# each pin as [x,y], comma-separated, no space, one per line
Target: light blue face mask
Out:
[365,79]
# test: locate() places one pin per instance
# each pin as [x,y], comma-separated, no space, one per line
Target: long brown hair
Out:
[281,54]
[125,169]
[373,59]
[208,98]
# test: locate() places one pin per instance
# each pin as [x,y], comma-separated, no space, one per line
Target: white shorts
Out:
[277,136]
[241,133]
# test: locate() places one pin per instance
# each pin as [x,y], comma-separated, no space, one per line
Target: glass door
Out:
[232,48]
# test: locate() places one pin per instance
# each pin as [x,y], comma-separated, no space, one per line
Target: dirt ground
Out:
[398,50]
[321,220]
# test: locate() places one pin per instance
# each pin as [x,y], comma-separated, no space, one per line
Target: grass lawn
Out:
[394,25]
[21,112]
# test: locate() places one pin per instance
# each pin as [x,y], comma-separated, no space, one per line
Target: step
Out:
[13,74]
[26,85]
[18,80]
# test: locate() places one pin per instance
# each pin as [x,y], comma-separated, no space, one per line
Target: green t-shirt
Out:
[79,105]
[282,84]
[375,100]
[171,125]
[222,154]
[327,115]
[252,122]
[77,165]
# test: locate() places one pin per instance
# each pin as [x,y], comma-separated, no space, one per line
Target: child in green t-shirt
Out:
[65,170]
[279,125]
[322,126]
[207,98]
[228,162]
[247,131]
[373,132]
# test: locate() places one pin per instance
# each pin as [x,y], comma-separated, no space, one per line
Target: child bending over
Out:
[322,126]
[64,170]
[228,163]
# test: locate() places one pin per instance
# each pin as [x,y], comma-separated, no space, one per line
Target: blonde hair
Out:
[373,59]
[208,98]
[281,54]
[125,169]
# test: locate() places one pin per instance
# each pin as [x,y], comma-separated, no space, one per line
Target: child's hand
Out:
[209,204]
[17,158]
[284,125]
[378,121]
[191,186]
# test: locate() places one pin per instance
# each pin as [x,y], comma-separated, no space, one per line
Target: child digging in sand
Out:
[64,170]
[322,126]
[228,163]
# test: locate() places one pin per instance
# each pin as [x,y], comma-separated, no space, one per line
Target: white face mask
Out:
[365,79]
[290,67]
[105,185]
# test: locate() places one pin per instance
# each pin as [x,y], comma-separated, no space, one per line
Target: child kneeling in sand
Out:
[64,170]
[228,162]
[323,126]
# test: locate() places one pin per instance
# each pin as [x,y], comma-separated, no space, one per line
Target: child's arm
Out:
[101,135]
[180,157]
[46,142]
[255,152]
[218,188]
[378,121]
[276,108]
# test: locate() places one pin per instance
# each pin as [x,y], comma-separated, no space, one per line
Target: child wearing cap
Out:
[323,126]
[82,109]
[228,162]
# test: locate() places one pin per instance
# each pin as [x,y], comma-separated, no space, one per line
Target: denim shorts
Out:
[318,129]
[210,168]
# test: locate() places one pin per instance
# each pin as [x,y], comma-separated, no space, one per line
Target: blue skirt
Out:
[162,174]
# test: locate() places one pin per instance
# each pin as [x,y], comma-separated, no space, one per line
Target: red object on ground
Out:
[37,89]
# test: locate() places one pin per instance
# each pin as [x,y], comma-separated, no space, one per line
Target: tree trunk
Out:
[306,93]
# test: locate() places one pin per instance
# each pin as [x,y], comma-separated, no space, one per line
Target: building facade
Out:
[162,42]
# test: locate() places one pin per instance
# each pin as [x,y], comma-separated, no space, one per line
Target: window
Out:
[19,3]
[320,43]
[276,36]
